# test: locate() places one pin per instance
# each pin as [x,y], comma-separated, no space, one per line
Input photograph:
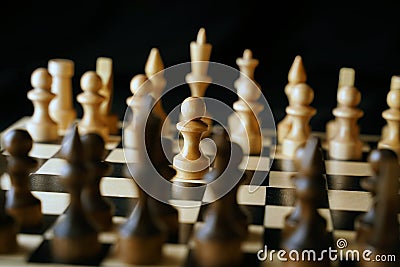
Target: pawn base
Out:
[8,236]
[43,131]
[80,250]
[141,250]
[345,150]
[218,254]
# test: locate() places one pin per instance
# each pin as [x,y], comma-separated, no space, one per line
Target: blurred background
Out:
[328,35]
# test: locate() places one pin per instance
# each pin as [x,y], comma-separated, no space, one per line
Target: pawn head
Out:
[91,82]
[41,78]
[193,108]
[18,142]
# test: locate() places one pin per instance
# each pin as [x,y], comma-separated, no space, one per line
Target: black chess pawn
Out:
[384,235]
[75,239]
[8,226]
[305,228]
[100,210]
[365,222]
[21,203]
[218,241]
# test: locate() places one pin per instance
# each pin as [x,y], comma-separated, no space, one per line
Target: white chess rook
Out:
[61,108]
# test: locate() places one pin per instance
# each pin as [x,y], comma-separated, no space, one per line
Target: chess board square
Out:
[58,204]
[345,182]
[256,178]
[44,151]
[254,240]
[251,195]
[52,166]
[120,187]
[117,155]
[119,170]
[123,206]
[255,163]
[43,254]
[286,197]
[286,165]
[349,200]
[345,167]
[46,183]
[281,179]
[345,219]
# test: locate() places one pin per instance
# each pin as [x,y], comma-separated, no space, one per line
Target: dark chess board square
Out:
[287,197]
[46,183]
[345,182]
[286,165]
[119,170]
[123,205]
[43,254]
[344,219]
[256,178]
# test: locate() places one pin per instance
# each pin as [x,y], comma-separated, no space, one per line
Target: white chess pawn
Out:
[90,99]
[140,87]
[41,127]
[61,108]
[191,163]
[391,140]
[394,85]
[346,144]
[300,113]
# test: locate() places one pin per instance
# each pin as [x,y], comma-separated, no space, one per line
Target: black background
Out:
[327,34]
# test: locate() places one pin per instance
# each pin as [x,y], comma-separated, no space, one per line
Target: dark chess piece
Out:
[142,236]
[218,241]
[365,222]
[75,239]
[8,226]
[305,228]
[383,238]
[159,150]
[100,210]
[21,204]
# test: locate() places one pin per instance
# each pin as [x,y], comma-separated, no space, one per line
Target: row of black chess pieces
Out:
[218,241]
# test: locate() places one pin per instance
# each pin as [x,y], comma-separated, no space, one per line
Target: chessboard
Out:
[268,204]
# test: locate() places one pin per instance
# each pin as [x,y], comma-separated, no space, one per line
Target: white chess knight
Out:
[40,126]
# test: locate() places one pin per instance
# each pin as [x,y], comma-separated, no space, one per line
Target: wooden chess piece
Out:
[100,210]
[41,127]
[140,87]
[365,223]
[191,163]
[142,236]
[61,107]
[218,241]
[247,131]
[300,112]
[305,228]
[154,70]
[8,226]
[296,75]
[391,138]
[394,85]
[90,99]
[75,239]
[21,203]
[346,144]
[198,80]
[104,68]
[346,79]
[159,148]
[384,236]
